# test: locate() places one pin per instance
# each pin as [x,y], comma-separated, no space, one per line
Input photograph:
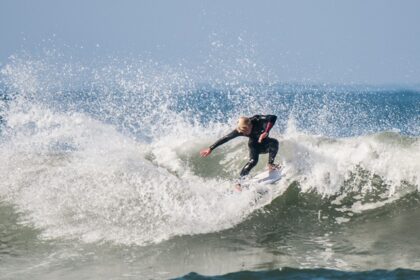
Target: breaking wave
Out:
[110,152]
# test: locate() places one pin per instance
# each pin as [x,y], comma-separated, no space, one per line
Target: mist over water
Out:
[103,156]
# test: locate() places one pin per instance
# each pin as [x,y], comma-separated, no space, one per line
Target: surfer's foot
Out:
[238,187]
[272,167]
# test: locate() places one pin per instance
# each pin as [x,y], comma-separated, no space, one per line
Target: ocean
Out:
[100,175]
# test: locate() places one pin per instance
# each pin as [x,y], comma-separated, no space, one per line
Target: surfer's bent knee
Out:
[274,142]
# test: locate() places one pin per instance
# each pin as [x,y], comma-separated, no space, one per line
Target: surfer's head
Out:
[244,125]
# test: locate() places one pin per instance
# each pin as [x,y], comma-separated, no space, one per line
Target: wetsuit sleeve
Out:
[225,138]
[271,120]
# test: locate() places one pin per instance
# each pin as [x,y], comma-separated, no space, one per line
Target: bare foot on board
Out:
[272,167]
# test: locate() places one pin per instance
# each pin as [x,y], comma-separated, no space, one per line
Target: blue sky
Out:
[374,42]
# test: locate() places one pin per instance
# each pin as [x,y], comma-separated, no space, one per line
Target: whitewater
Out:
[100,171]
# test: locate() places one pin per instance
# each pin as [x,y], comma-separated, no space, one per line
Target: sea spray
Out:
[110,153]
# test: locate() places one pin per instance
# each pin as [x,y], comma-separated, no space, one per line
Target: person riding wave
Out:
[257,129]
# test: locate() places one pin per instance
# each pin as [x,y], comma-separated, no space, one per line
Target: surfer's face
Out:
[247,131]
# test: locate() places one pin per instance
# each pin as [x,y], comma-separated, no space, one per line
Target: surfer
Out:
[256,128]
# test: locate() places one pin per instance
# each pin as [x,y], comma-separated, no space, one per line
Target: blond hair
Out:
[243,124]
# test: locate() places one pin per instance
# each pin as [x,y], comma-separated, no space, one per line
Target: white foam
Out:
[74,176]
[326,163]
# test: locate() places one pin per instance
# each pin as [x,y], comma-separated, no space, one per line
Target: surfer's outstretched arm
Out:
[219,142]
[225,139]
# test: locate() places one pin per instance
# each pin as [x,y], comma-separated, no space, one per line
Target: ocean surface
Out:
[100,175]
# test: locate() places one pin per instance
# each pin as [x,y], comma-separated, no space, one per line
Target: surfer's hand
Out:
[205,152]
[262,137]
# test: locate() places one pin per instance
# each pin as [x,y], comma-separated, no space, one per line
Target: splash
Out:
[108,152]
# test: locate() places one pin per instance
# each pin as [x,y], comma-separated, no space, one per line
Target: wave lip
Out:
[77,178]
[111,153]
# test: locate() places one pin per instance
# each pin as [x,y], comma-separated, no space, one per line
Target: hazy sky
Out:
[354,41]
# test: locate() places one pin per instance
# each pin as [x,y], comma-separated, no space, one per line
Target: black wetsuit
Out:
[260,124]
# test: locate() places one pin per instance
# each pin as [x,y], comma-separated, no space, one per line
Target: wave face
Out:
[302,274]
[107,153]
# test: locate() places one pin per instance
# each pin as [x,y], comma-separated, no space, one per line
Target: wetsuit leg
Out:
[253,158]
[273,147]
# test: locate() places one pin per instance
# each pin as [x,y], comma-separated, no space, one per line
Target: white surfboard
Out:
[259,185]
[263,178]
[267,177]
